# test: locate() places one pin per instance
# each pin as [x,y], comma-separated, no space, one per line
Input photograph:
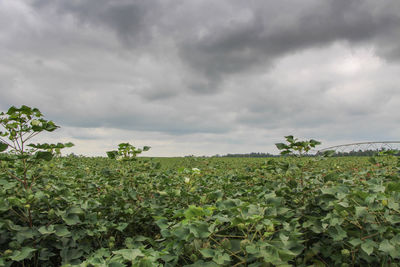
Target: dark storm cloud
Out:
[237,47]
[131,20]
[217,38]
[204,70]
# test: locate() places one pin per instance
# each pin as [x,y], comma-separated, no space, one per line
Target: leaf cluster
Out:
[294,146]
[126,152]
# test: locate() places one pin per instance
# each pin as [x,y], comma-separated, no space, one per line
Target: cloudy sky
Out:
[202,76]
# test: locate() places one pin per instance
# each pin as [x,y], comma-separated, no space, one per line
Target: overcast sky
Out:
[204,77]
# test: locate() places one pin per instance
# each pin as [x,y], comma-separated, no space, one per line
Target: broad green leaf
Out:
[46,230]
[252,249]
[12,110]
[144,263]
[4,206]
[393,187]
[129,254]
[141,238]
[121,226]
[199,229]
[62,231]
[314,143]
[286,254]
[283,237]
[50,126]
[45,254]
[69,144]
[8,185]
[24,253]
[393,205]
[207,253]
[182,233]
[290,138]
[112,154]
[281,146]
[193,212]
[377,188]
[162,222]
[337,233]
[344,204]
[329,191]
[355,242]
[221,259]
[8,157]
[385,246]
[45,155]
[361,211]
[396,240]
[75,210]
[393,218]
[3,146]
[71,219]
[271,255]
[26,234]
[68,254]
[368,246]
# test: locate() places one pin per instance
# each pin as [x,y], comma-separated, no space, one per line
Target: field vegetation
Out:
[287,211]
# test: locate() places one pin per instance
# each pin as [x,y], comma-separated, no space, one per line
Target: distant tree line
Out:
[361,153]
[248,155]
[353,153]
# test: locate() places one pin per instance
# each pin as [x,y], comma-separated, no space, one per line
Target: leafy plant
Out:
[19,126]
[19,157]
[126,152]
[388,152]
[198,211]
[20,172]
[235,211]
[294,146]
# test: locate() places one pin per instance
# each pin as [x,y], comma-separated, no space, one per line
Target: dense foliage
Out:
[77,211]
[203,212]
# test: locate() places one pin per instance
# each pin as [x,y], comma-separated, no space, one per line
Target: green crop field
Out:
[204,212]
[133,211]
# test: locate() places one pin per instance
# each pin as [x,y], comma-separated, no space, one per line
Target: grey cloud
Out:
[228,37]
[170,125]
[212,73]
[153,95]
[360,117]
[129,19]
[237,48]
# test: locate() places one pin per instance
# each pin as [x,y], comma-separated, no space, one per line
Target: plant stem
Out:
[30,218]
[16,178]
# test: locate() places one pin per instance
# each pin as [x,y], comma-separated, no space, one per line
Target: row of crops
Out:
[129,211]
[203,212]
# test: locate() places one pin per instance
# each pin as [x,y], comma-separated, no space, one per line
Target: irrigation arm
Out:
[360,143]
